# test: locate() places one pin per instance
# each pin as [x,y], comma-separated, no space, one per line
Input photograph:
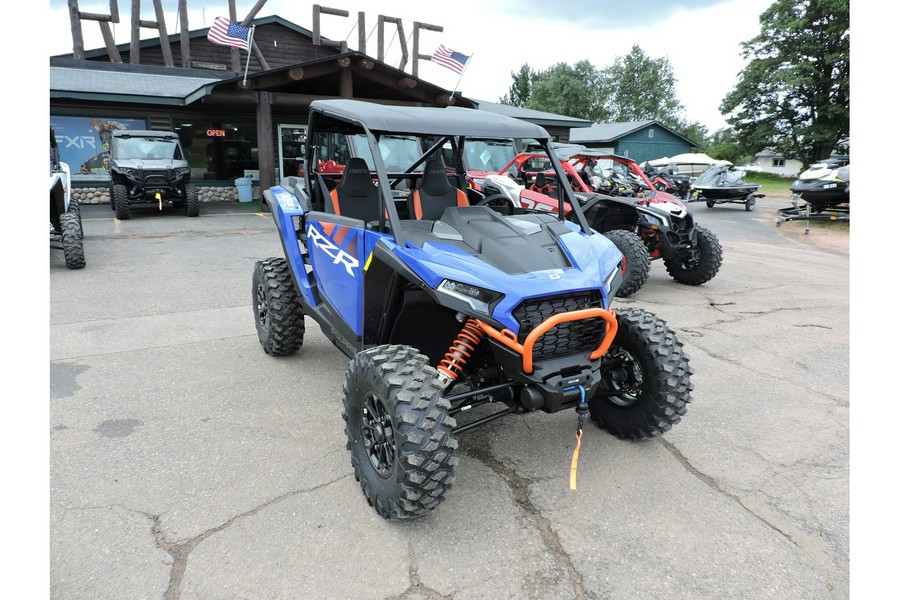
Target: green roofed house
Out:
[639,140]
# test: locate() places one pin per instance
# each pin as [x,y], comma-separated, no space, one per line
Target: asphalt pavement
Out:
[185,463]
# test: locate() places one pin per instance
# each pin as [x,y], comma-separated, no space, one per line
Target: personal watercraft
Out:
[720,185]
[824,185]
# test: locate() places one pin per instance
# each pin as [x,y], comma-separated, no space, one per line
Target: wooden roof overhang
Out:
[348,75]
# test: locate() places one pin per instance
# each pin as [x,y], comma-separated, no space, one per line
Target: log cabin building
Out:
[230,125]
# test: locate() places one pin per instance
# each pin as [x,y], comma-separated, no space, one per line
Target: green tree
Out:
[520,90]
[794,94]
[642,88]
[725,145]
[574,91]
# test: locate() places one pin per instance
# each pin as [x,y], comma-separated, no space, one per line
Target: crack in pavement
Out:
[477,447]
[811,545]
[181,551]
[416,589]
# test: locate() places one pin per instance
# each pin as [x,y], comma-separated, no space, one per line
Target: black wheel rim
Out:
[624,378]
[262,307]
[378,435]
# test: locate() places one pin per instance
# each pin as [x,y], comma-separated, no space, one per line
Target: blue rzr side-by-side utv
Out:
[444,299]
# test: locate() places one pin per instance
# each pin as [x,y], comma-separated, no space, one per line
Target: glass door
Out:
[291,142]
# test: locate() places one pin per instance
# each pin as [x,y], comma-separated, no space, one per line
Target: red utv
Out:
[619,202]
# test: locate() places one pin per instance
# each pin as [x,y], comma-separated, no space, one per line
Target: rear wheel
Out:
[636,267]
[750,204]
[710,203]
[276,308]
[700,263]
[399,432]
[120,201]
[645,381]
[192,200]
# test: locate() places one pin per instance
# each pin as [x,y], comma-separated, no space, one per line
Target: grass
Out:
[770,183]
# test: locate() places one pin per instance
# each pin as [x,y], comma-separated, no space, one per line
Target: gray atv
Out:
[149,167]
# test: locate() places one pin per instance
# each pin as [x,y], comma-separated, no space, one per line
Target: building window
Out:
[777,162]
[650,133]
[84,143]
[219,150]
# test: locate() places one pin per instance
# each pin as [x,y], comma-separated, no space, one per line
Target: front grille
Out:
[571,337]
[156,179]
[682,225]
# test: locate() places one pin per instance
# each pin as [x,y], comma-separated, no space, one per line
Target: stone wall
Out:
[100,195]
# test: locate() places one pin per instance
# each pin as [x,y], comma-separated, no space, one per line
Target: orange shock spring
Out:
[460,351]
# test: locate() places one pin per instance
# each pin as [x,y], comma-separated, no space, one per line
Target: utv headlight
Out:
[613,279]
[478,298]
[654,219]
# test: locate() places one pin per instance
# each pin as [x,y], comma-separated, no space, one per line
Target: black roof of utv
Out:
[421,120]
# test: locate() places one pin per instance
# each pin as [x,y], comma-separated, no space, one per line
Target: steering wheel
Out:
[497,200]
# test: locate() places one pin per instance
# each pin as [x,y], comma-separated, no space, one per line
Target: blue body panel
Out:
[593,258]
[285,208]
[338,254]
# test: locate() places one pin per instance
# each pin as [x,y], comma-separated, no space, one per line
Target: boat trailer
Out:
[807,213]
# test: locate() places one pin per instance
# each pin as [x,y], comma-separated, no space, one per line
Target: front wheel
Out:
[700,263]
[276,308]
[120,201]
[192,200]
[636,260]
[399,431]
[72,239]
[645,381]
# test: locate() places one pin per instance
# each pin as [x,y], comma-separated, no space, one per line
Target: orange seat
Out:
[435,193]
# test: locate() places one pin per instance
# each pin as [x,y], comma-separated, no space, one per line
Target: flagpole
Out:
[461,73]
[249,48]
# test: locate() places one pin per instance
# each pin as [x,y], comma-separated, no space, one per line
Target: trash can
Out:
[245,188]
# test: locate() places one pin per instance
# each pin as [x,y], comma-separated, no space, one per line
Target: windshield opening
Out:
[131,148]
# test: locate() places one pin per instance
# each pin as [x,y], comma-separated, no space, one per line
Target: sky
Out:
[700,38]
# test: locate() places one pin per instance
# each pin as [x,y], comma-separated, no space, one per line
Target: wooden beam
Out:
[75,19]
[185,38]
[346,84]
[110,41]
[265,142]
[382,19]
[417,26]
[163,34]
[295,74]
[317,39]
[257,52]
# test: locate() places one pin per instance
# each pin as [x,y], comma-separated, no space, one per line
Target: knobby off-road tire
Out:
[399,432]
[637,260]
[120,201]
[192,200]
[72,239]
[701,263]
[646,378]
[276,308]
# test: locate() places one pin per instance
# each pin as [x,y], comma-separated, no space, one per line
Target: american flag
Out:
[455,61]
[226,33]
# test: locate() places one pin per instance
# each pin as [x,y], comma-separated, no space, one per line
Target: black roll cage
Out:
[450,124]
